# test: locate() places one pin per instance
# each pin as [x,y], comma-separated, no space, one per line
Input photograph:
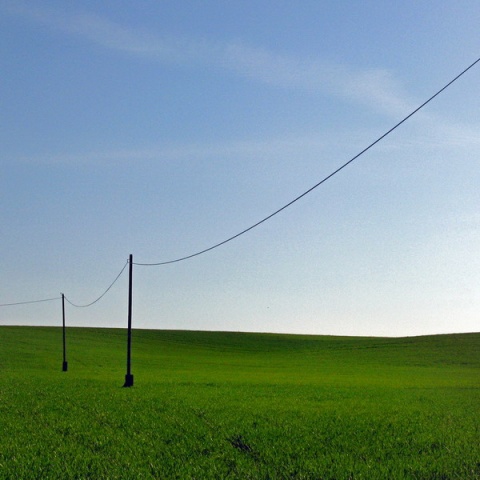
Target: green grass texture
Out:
[238,406]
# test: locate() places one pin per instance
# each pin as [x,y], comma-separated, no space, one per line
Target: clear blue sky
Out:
[162,128]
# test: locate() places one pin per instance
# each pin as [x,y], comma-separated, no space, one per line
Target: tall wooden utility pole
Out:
[129,376]
[65,364]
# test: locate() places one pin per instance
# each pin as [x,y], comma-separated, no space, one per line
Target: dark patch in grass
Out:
[238,442]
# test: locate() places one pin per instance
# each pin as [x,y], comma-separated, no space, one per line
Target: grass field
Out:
[234,405]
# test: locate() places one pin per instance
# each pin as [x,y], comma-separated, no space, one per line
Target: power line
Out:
[30,301]
[320,182]
[102,295]
[71,303]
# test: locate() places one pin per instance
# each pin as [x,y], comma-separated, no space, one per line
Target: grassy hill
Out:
[238,405]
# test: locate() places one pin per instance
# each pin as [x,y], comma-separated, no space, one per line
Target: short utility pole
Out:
[129,376]
[65,364]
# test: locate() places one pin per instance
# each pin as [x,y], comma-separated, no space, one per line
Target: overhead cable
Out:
[317,184]
[30,301]
[102,295]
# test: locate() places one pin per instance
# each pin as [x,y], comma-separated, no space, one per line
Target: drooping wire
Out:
[102,295]
[317,184]
[30,301]
[71,303]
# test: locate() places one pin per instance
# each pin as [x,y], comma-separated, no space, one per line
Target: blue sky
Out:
[162,128]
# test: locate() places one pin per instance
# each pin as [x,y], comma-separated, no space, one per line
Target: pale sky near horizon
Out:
[159,129]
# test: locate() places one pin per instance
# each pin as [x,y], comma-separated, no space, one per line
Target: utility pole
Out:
[129,376]
[65,364]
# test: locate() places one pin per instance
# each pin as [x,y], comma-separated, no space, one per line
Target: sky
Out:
[161,128]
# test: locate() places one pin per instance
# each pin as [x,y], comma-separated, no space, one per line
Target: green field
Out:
[237,405]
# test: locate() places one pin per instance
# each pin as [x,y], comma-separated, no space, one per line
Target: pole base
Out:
[128,381]
[65,367]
